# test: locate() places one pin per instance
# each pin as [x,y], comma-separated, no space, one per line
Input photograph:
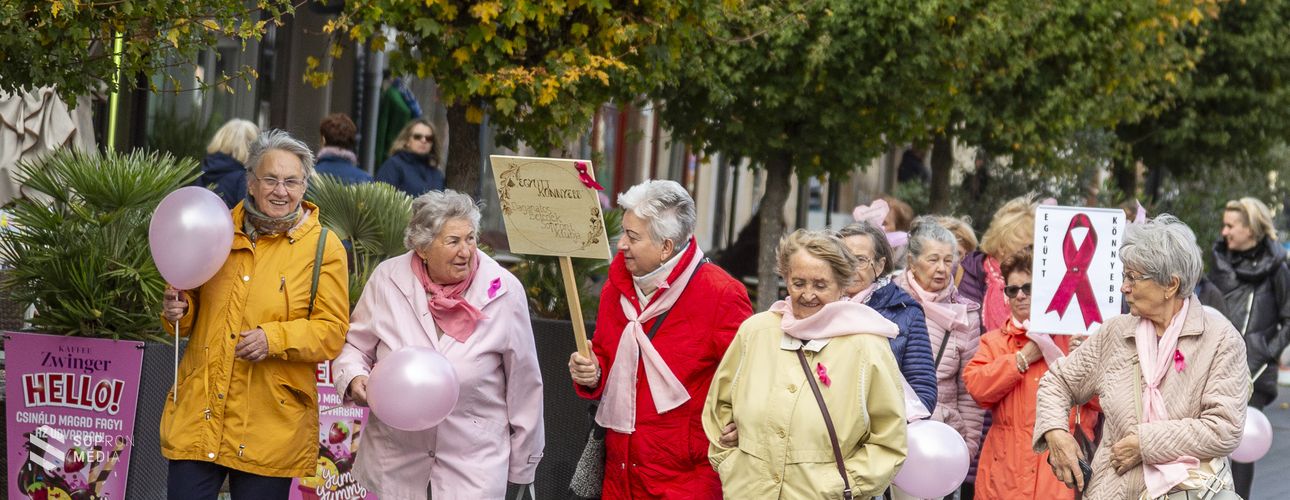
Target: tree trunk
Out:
[779,169]
[1155,179]
[462,172]
[1125,172]
[942,166]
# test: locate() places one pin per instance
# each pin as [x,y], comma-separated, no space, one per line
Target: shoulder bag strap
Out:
[936,365]
[828,423]
[653,329]
[318,256]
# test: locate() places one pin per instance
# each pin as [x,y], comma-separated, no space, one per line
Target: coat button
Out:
[246,278]
[792,388]
[210,455]
[781,433]
[220,395]
[775,477]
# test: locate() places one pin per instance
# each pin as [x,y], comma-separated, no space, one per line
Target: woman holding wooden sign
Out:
[1170,376]
[1004,377]
[447,295]
[665,320]
[953,326]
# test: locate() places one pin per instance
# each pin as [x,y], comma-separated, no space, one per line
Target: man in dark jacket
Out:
[1250,271]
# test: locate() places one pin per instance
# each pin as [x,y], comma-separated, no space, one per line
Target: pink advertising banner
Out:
[70,405]
[340,428]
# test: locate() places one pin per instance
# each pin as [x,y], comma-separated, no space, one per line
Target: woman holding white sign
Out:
[1170,377]
[953,326]
[1004,377]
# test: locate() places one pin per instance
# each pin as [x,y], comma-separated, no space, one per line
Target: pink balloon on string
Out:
[413,388]
[937,462]
[190,236]
[1257,438]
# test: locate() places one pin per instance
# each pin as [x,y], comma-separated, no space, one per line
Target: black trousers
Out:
[193,480]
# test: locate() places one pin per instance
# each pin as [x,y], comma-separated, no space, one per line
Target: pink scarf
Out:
[1156,356]
[835,319]
[1047,347]
[943,316]
[454,315]
[862,297]
[618,401]
[994,307]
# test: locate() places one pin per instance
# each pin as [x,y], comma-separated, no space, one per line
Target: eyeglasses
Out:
[863,261]
[272,183]
[1012,290]
[422,137]
[1132,280]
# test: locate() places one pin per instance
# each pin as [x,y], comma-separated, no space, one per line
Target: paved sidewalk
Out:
[1272,474]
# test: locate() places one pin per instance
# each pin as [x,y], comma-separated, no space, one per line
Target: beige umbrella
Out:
[34,123]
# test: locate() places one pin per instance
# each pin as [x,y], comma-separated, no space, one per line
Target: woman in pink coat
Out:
[448,295]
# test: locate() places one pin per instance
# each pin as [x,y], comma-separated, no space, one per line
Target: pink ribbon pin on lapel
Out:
[494,287]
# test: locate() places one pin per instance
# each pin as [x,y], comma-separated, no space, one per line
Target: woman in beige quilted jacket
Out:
[1171,376]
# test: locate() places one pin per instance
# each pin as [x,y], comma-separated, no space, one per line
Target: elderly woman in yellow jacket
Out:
[810,368]
[246,407]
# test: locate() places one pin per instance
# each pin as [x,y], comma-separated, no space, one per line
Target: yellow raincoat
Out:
[261,417]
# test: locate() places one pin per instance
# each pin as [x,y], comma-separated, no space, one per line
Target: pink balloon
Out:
[413,388]
[190,236]
[1257,438]
[937,463]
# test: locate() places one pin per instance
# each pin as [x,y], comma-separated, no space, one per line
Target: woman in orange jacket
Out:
[1004,378]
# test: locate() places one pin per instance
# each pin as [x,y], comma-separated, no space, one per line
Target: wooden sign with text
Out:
[551,206]
[548,209]
[1076,274]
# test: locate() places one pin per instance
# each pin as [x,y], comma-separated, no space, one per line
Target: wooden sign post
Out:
[1076,274]
[551,207]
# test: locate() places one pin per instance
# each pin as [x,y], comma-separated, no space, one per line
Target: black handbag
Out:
[589,474]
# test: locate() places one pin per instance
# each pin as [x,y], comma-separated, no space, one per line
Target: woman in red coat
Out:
[1004,378]
[652,387]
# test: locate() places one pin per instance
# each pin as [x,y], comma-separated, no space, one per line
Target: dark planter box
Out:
[566,418]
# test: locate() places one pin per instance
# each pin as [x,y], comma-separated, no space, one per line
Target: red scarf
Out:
[454,315]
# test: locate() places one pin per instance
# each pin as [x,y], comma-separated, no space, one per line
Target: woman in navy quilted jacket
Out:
[912,349]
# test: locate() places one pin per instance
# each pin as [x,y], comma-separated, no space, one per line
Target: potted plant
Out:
[78,254]
[369,218]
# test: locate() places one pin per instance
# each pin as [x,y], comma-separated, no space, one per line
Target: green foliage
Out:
[79,249]
[1235,105]
[539,68]
[541,274]
[70,43]
[370,216]
[182,137]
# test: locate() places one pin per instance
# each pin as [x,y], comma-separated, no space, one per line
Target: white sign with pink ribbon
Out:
[1076,274]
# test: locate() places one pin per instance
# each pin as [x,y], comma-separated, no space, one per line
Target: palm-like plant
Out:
[545,285]
[370,217]
[78,249]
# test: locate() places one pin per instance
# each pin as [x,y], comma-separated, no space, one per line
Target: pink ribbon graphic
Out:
[585,177]
[1075,283]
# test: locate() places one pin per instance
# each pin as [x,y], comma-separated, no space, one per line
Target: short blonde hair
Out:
[962,229]
[822,245]
[1012,228]
[1256,215]
[234,139]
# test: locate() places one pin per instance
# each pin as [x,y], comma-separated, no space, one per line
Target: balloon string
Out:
[175,393]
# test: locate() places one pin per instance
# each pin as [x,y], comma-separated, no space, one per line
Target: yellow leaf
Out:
[378,43]
[173,37]
[1171,77]
[486,11]
[55,7]
[210,24]
[462,55]
[1195,16]
[338,50]
[474,115]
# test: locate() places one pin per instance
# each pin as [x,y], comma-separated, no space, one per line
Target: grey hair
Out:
[280,140]
[666,206]
[1164,248]
[926,229]
[431,210]
[881,247]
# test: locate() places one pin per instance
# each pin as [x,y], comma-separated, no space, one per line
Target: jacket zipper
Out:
[1249,307]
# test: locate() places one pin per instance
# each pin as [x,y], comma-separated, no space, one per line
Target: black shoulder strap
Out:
[941,352]
[318,256]
[828,423]
[659,322]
